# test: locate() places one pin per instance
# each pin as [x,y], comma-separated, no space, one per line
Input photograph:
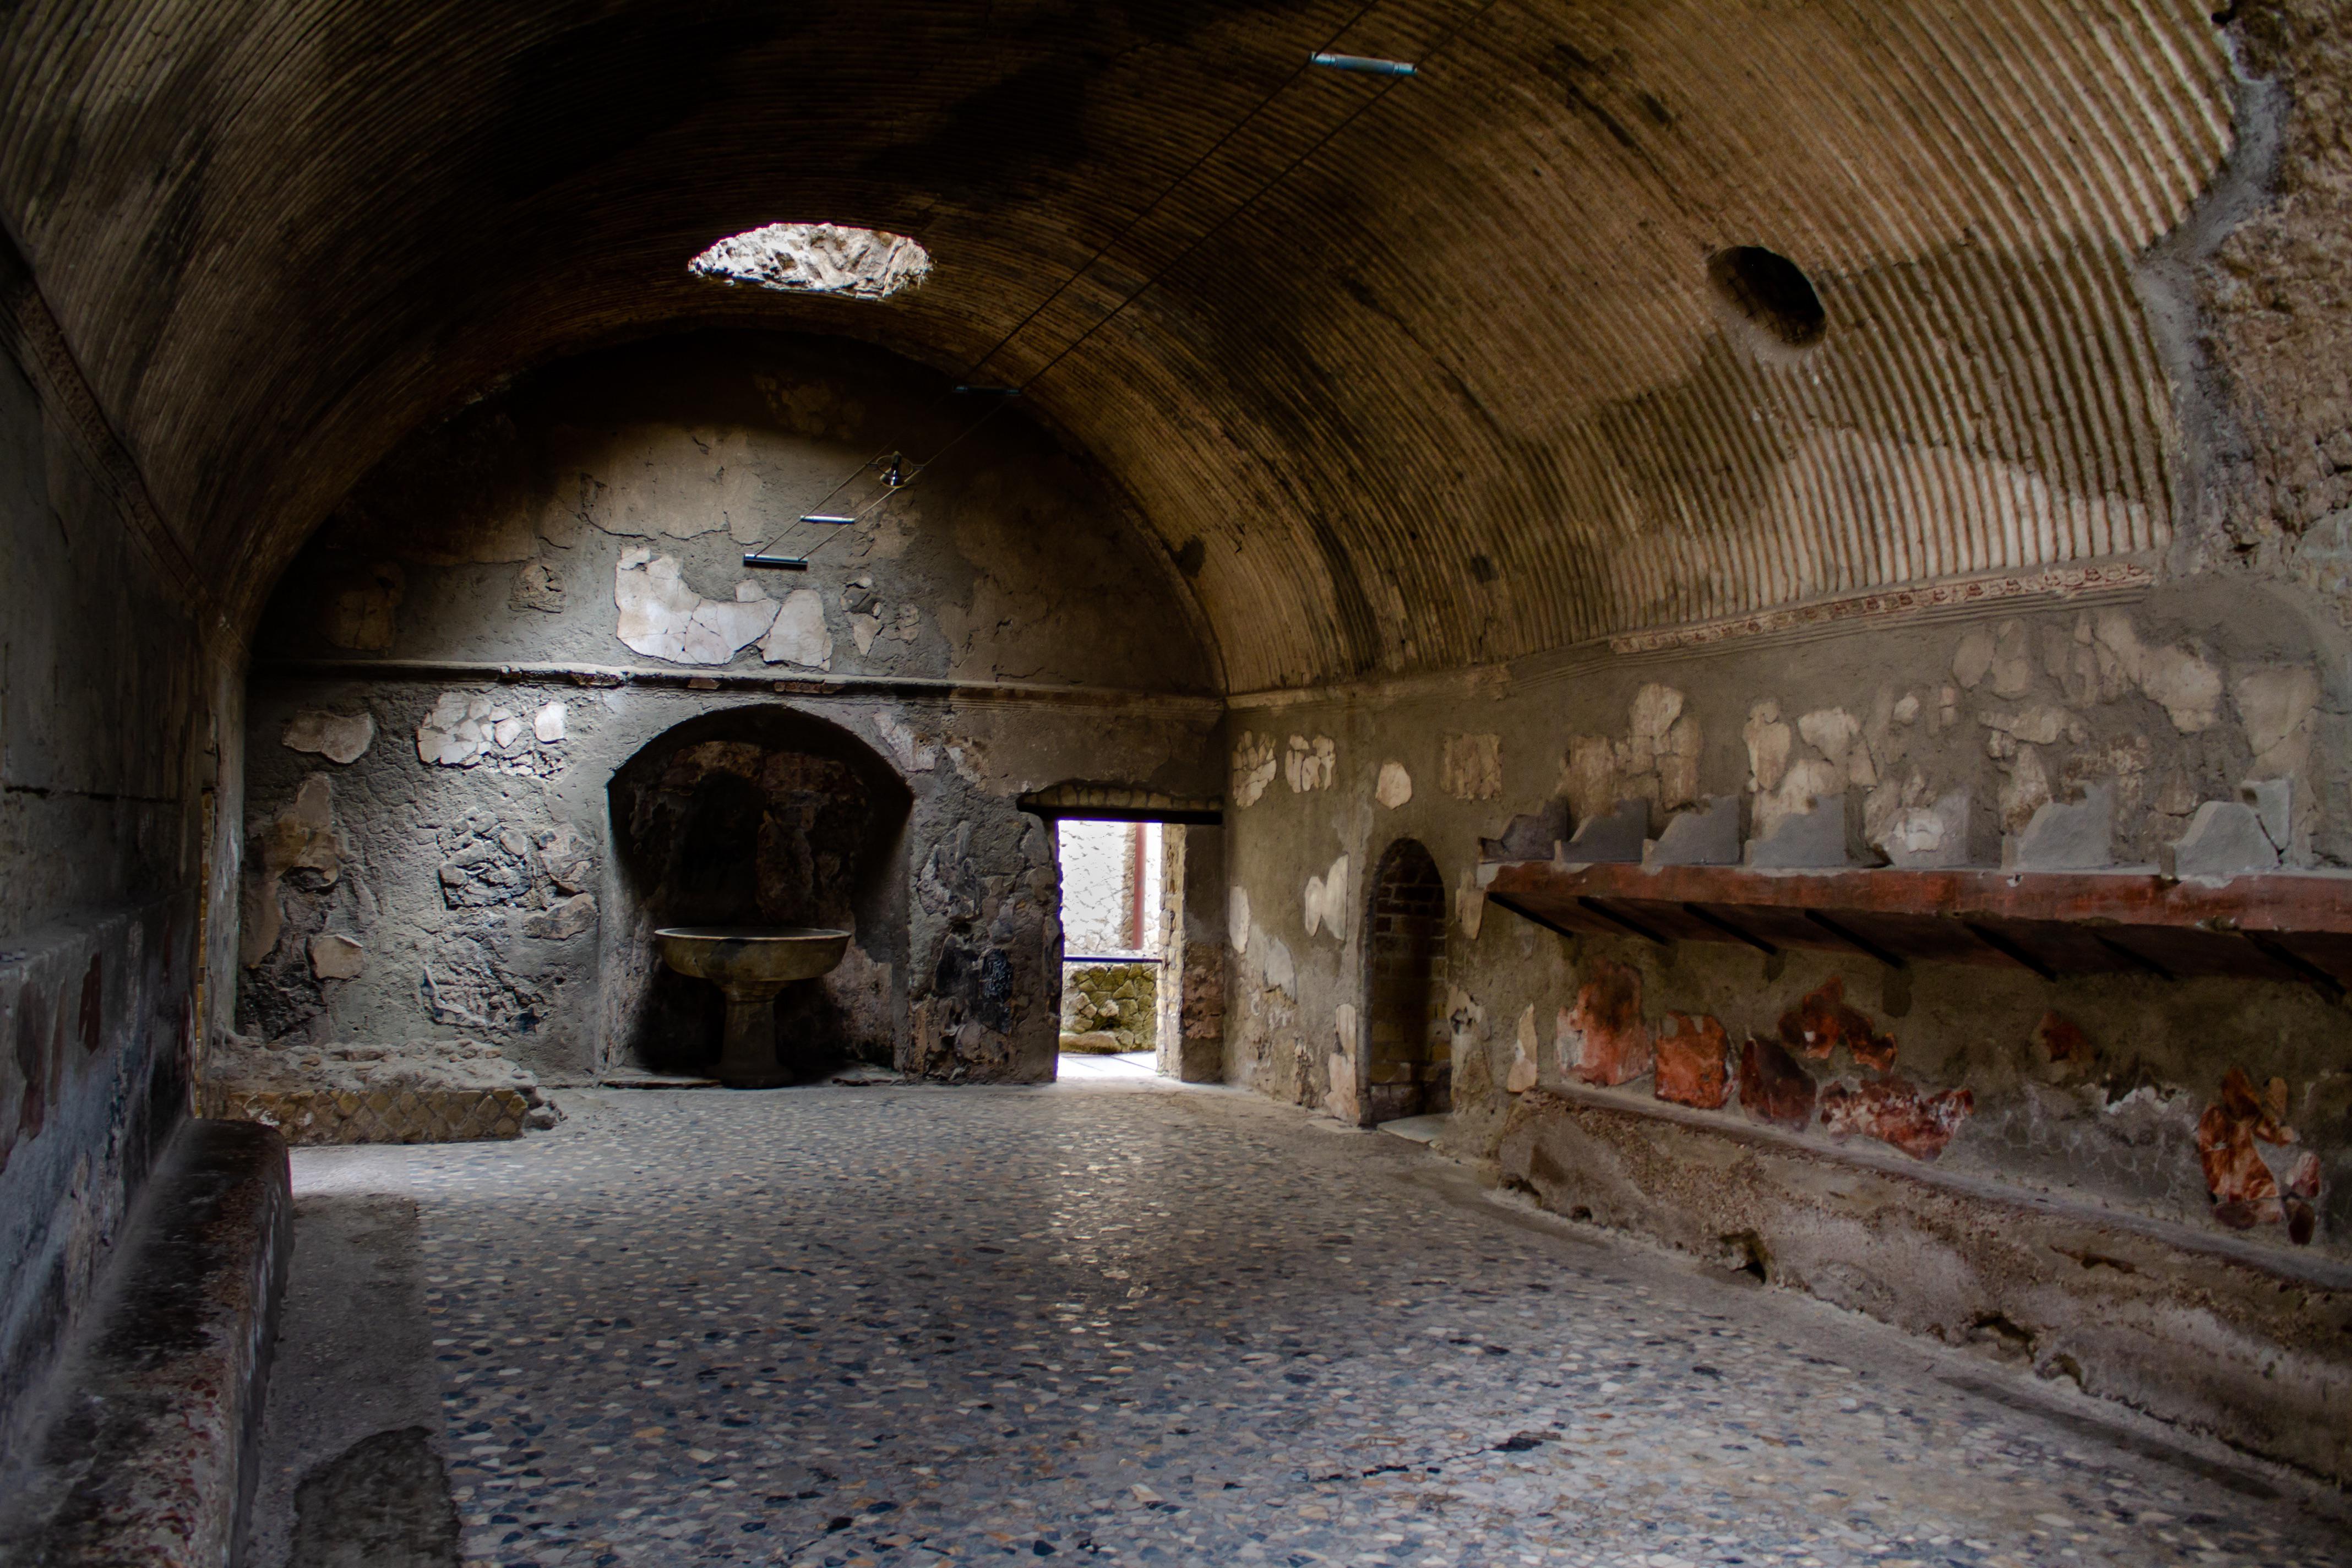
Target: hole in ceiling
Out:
[817,259]
[1769,294]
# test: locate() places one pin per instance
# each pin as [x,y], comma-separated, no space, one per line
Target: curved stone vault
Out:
[1452,388]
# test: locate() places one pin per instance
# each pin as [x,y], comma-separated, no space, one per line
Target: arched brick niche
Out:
[1404,989]
[754,816]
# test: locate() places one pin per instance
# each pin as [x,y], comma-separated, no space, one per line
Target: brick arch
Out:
[1410,1071]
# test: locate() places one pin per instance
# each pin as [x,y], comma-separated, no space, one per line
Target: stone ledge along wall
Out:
[115,690]
[517,602]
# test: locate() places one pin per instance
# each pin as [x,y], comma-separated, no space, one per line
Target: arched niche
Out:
[1409,1069]
[760,816]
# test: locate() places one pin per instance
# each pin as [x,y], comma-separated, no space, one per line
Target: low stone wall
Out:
[425,1091]
[1121,1000]
[2255,1348]
[146,1452]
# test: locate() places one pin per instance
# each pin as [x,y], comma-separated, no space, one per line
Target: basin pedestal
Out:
[751,965]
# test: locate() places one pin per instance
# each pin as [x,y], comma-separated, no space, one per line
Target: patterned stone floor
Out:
[1115,1322]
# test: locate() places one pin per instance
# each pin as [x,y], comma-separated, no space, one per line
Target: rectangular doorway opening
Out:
[1115,926]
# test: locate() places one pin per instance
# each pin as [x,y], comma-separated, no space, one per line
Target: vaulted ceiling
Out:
[1454,388]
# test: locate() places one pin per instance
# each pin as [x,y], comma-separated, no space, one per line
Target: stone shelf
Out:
[2294,926]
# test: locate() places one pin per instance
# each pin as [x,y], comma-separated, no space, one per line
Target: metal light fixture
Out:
[776,562]
[1362,65]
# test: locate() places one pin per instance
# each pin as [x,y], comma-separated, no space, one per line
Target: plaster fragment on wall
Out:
[1837,735]
[547,724]
[2185,685]
[1824,1021]
[462,727]
[1469,905]
[537,585]
[1254,768]
[568,857]
[915,753]
[1906,710]
[563,921]
[1308,764]
[1897,1114]
[1925,835]
[1772,1088]
[1694,1068]
[2277,702]
[1395,786]
[336,957]
[1523,1074]
[1973,657]
[1769,742]
[301,837]
[2244,1192]
[1237,920]
[662,618]
[2024,789]
[1804,785]
[1588,776]
[1470,767]
[799,633]
[1281,972]
[1602,1039]
[1343,1101]
[338,737]
[2040,725]
[1327,901]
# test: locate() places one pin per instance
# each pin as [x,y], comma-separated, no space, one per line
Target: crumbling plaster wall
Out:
[2106,1175]
[1955,734]
[517,602]
[114,683]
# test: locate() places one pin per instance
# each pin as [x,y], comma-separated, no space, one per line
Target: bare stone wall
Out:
[114,691]
[518,604]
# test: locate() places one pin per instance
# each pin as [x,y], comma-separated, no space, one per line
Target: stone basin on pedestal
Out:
[752,964]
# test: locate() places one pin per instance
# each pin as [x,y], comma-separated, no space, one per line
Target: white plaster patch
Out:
[1769,742]
[1254,768]
[1470,767]
[1308,764]
[1469,907]
[1237,920]
[1523,1073]
[462,727]
[1327,901]
[338,737]
[2184,685]
[547,724]
[1281,974]
[1396,785]
[799,634]
[1837,735]
[915,754]
[2275,702]
[662,618]
[335,957]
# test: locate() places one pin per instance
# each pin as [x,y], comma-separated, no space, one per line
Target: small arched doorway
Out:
[1411,1072]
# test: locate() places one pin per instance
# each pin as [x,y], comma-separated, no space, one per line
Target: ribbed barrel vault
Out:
[1456,388]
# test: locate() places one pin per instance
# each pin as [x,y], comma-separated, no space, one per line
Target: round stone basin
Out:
[751,964]
[751,955]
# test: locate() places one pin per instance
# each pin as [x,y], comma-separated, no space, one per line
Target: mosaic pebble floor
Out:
[1121,1324]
